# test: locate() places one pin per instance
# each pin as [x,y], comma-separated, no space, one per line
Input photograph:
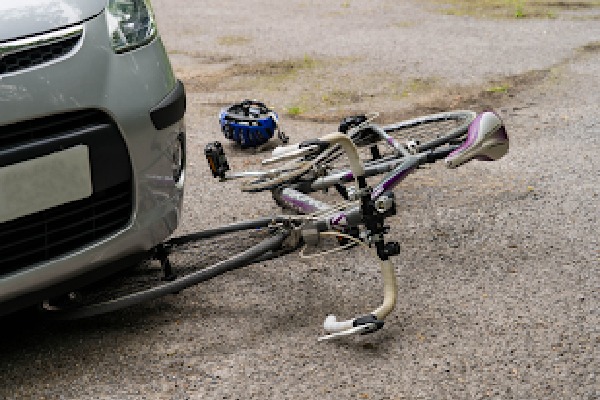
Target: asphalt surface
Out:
[499,277]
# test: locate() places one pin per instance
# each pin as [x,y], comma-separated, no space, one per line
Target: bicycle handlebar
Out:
[365,323]
[374,321]
[486,140]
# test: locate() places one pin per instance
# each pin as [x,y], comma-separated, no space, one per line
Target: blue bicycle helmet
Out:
[249,123]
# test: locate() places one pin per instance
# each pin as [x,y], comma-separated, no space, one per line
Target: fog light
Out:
[178,160]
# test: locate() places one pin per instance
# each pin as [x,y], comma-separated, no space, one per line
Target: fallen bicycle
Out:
[336,161]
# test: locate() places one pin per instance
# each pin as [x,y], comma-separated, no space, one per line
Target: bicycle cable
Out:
[352,239]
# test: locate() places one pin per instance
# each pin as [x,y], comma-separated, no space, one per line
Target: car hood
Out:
[19,18]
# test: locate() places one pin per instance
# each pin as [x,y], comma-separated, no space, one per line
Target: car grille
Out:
[31,57]
[54,232]
[51,233]
[52,126]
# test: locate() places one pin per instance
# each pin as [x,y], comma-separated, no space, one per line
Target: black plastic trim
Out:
[368,319]
[170,109]
[63,287]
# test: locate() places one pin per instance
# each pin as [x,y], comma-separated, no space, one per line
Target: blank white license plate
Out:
[45,182]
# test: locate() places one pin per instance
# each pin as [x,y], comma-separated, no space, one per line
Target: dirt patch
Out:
[479,98]
[315,93]
[426,96]
[240,76]
[593,47]
[433,98]
[201,83]
[201,57]
[273,68]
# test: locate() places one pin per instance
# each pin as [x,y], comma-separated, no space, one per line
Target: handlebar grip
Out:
[331,324]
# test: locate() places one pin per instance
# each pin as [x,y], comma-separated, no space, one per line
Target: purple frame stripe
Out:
[305,207]
[389,183]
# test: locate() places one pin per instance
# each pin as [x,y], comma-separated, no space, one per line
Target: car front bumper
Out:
[138,92]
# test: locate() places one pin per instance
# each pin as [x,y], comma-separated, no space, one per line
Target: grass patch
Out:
[498,89]
[519,8]
[308,62]
[295,111]
[513,9]
[278,75]
[270,75]
[428,96]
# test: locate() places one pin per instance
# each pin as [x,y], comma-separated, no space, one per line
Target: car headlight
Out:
[130,24]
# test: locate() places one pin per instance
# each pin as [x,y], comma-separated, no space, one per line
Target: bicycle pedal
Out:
[285,139]
[217,161]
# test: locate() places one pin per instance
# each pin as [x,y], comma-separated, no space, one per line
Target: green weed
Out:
[498,89]
[295,111]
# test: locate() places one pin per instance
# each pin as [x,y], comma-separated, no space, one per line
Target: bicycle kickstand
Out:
[162,255]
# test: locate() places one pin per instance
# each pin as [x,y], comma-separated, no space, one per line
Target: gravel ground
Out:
[499,275]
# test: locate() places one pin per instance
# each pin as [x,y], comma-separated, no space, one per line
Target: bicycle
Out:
[359,219]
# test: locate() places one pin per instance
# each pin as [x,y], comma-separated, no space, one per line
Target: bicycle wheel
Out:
[434,130]
[429,132]
[193,259]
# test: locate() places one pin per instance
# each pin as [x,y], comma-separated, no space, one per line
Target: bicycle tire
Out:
[431,131]
[194,258]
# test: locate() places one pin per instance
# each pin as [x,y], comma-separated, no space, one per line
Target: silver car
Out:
[92,144]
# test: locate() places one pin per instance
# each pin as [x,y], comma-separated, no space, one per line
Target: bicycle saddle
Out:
[487,140]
